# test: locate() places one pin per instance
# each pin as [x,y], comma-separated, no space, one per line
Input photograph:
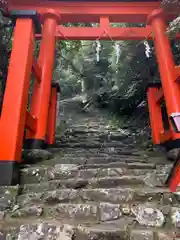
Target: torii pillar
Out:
[170,89]
[42,91]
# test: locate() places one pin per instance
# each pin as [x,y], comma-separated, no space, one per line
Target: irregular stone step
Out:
[96,152]
[117,229]
[113,195]
[123,228]
[92,144]
[146,214]
[66,159]
[78,131]
[122,164]
[154,234]
[92,139]
[101,150]
[107,182]
[114,152]
[68,171]
[111,190]
[41,230]
[126,168]
[93,160]
[95,182]
[79,212]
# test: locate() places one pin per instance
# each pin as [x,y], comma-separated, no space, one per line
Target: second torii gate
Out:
[43,19]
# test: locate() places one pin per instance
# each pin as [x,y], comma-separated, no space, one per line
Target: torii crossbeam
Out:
[44,19]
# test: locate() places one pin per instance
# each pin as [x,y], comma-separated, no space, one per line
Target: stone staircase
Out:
[93,184]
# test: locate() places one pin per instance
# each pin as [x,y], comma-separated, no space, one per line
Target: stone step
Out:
[93,137]
[125,229]
[90,145]
[100,151]
[146,214]
[90,212]
[117,229]
[95,161]
[104,156]
[40,184]
[110,190]
[120,150]
[108,182]
[160,168]
[113,195]
[86,131]
[73,171]
[80,158]
[101,137]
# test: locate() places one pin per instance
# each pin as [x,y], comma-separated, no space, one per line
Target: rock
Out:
[173,154]
[108,195]
[126,210]
[34,155]
[163,169]
[82,212]
[177,195]
[63,171]
[168,198]
[148,216]
[60,196]
[66,167]
[2,215]
[99,172]
[33,174]
[153,180]
[30,198]
[8,196]
[165,209]
[45,231]
[170,235]
[5,203]
[175,217]
[109,211]
[66,232]
[27,212]
[142,235]
[103,231]
[10,234]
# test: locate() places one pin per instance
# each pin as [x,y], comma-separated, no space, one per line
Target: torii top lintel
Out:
[91,11]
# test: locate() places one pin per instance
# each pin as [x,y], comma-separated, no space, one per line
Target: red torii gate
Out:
[45,23]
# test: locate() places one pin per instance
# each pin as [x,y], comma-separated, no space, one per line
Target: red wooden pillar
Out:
[171,88]
[164,56]
[13,116]
[155,115]
[42,90]
[52,115]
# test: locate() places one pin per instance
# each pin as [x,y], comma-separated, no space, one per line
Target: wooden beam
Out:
[159,96]
[31,122]
[83,11]
[93,33]
[90,33]
[165,136]
[177,71]
[36,70]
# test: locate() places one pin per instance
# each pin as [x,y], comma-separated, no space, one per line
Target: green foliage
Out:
[6,31]
[117,86]
[120,87]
